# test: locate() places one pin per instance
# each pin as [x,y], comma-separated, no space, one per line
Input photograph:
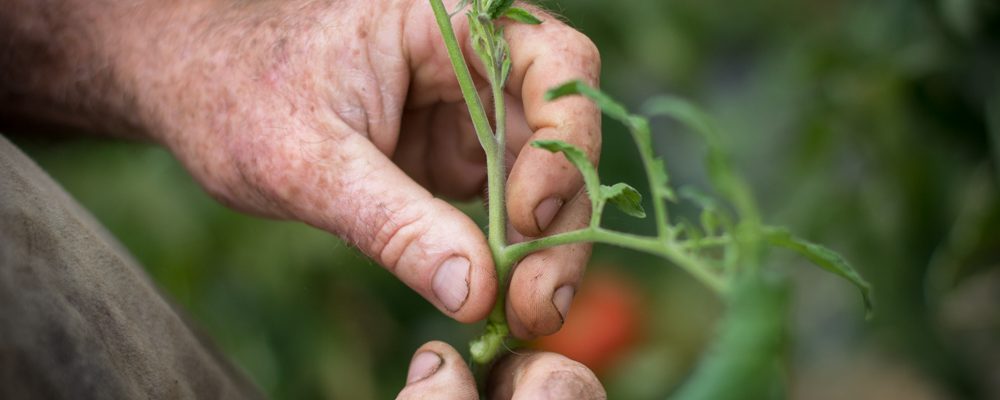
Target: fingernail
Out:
[546,211]
[451,282]
[423,365]
[562,299]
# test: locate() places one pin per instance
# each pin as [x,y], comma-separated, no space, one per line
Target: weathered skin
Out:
[342,114]
[79,319]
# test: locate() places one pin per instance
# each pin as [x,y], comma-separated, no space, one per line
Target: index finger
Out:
[545,56]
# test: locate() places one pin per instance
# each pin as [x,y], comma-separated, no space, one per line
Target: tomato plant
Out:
[725,252]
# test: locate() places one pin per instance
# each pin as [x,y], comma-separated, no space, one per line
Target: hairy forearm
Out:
[70,66]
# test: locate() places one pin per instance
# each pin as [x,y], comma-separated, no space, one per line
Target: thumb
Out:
[437,371]
[425,242]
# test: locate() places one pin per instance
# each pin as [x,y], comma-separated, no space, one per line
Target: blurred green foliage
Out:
[861,125]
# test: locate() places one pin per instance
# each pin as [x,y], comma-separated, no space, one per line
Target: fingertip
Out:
[442,254]
[540,178]
[470,269]
[542,289]
[438,371]
[536,300]
[427,243]
[542,182]
[544,283]
[543,321]
[482,294]
[538,187]
[465,287]
[461,280]
[441,349]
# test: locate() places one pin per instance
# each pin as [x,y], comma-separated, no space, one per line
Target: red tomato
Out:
[603,323]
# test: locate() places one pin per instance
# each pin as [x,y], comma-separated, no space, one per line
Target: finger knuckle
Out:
[395,233]
[586,50]
[259,177]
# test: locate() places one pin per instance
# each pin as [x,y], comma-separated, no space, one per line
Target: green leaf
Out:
[638,128]
[497,8]
[505,71]
[823,258]
[698,197]
[625,197]
[699,122]
[685,112]
[720,171]
[712,216]
[606,103]
[501,50]
[480,40]
[579,160]
[521,15]
[459,7]
[659,175]
[724,178]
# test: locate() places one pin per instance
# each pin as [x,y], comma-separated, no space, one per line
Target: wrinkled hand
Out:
[437,371]
[347,116]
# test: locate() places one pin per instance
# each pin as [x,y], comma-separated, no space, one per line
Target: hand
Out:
[343,115]
[348,117]
[437,371]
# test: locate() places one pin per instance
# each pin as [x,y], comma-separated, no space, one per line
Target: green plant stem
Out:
[476,111]
[674,252]
[493,145]
[663,230]
[496,181]
[497,329]
[485,349]
[649,163]
[702,243]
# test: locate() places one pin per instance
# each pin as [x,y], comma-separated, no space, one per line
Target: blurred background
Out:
[872,127]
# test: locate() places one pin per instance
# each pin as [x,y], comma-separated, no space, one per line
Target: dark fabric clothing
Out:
[79,319]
